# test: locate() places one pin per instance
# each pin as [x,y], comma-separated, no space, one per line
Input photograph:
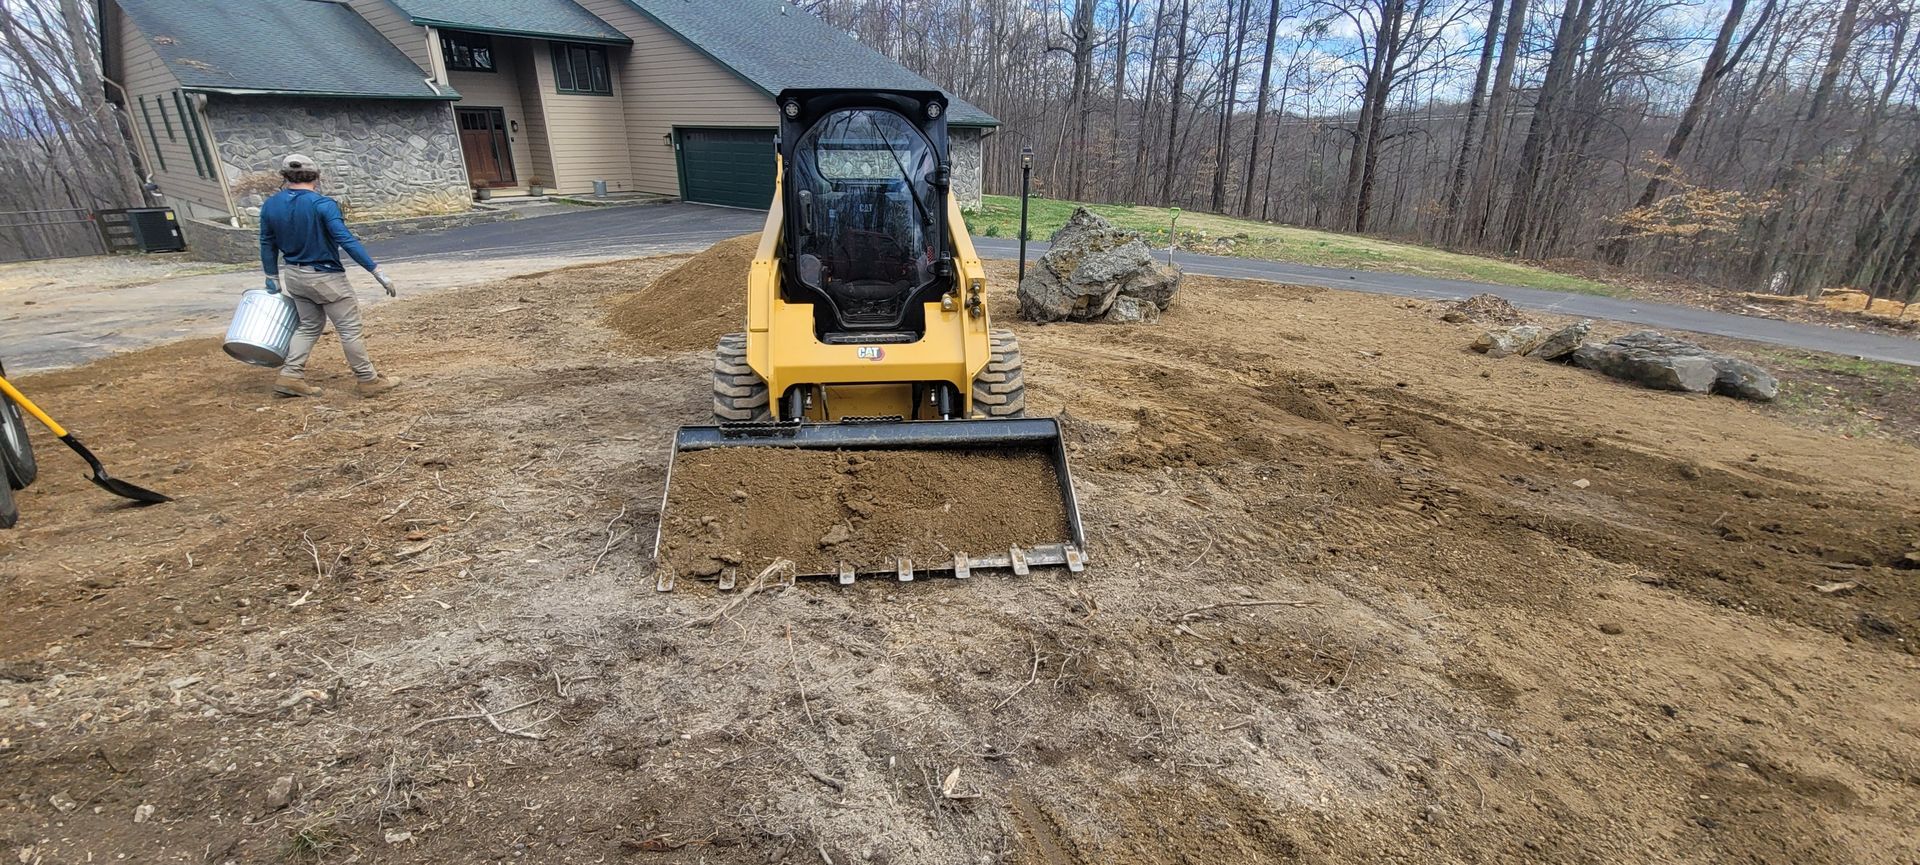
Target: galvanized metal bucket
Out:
[262,328]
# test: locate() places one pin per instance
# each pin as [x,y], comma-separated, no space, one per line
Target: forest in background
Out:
[63,152]
[1756,144]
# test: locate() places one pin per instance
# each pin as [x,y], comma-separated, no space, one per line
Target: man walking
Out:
[305,228]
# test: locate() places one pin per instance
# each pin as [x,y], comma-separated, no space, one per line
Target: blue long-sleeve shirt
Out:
[306,228]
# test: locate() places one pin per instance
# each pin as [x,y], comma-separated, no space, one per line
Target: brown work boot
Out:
[287,385]
[376,386]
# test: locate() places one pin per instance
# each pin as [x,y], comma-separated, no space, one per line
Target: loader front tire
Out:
[739,393]
[1000,390]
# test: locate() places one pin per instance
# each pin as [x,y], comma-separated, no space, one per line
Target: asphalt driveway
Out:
[654,229]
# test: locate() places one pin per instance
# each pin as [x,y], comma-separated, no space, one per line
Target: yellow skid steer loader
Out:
[867,333]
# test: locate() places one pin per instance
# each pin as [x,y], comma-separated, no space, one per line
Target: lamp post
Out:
[1026,188]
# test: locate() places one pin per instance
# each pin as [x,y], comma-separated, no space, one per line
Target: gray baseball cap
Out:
[296,161]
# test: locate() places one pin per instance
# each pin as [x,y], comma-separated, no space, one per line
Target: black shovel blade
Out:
[108,482]
[128,491]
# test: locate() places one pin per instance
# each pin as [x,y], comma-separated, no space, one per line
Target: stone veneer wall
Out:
[377,157]
[968,158]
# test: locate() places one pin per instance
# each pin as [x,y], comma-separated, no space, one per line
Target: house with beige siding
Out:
[415,107]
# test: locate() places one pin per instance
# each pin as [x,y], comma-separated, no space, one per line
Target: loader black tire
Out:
[739,393]
[16,449]
[1000,390]
[9,512]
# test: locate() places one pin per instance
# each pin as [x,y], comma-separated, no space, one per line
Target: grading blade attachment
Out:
[1051,539]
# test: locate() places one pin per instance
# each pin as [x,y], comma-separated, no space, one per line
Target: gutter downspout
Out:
[199,103]
[146,159]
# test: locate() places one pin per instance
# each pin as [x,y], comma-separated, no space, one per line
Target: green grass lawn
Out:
[999,216]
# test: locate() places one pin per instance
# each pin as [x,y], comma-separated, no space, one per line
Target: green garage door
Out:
[733,167]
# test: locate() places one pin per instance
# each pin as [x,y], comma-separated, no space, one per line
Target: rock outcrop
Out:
[1503,341]
[1090,269]
[1563,341]
[1652,359]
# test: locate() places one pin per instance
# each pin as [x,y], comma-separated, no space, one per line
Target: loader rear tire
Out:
[16,449]
[739,393]
[1000,390]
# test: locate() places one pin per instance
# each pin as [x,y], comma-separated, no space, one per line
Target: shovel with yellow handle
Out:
[100,477]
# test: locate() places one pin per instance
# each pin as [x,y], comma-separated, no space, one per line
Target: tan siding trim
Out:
[539,154]
[668,83]
[411,38]
[586,135]
[144,74]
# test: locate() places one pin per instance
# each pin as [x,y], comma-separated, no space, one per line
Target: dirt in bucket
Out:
[692,306]
[745,507]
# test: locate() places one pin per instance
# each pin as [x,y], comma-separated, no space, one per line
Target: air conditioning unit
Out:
[140,229]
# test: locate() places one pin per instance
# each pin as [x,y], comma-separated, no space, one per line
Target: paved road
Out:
[667,228]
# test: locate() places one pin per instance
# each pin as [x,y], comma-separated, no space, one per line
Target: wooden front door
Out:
[483,138]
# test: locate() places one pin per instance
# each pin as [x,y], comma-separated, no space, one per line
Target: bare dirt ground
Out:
[1357,595]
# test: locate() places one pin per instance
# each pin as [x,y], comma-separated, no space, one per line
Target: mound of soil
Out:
[693,305]
[746,507]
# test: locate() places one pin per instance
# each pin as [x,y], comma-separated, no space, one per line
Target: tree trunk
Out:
[1137,184]
[1716,68]
[1566,44]
[1173,102]
[1498,108]
[1389,44]
[1260,107]
[1079,96]
[1470,128]
[1229,94]
[1768,252]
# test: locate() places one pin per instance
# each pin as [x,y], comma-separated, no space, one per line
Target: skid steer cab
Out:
[868,330]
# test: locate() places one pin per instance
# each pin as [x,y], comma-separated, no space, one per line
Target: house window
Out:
[581,69]
[468,52]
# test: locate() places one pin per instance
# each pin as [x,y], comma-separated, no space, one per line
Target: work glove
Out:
[386,282]
[273,285]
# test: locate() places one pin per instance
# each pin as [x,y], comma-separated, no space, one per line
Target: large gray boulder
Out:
[1651,359]
[1742,380]
[1090,265]
[1690,373]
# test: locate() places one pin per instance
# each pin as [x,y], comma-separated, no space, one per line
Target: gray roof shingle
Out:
[547,19]
[775,46]
[296,47]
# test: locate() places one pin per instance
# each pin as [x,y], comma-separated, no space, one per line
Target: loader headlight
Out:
[792,109]
[933,111]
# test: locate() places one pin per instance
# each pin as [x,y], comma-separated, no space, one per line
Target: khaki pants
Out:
[320,296]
